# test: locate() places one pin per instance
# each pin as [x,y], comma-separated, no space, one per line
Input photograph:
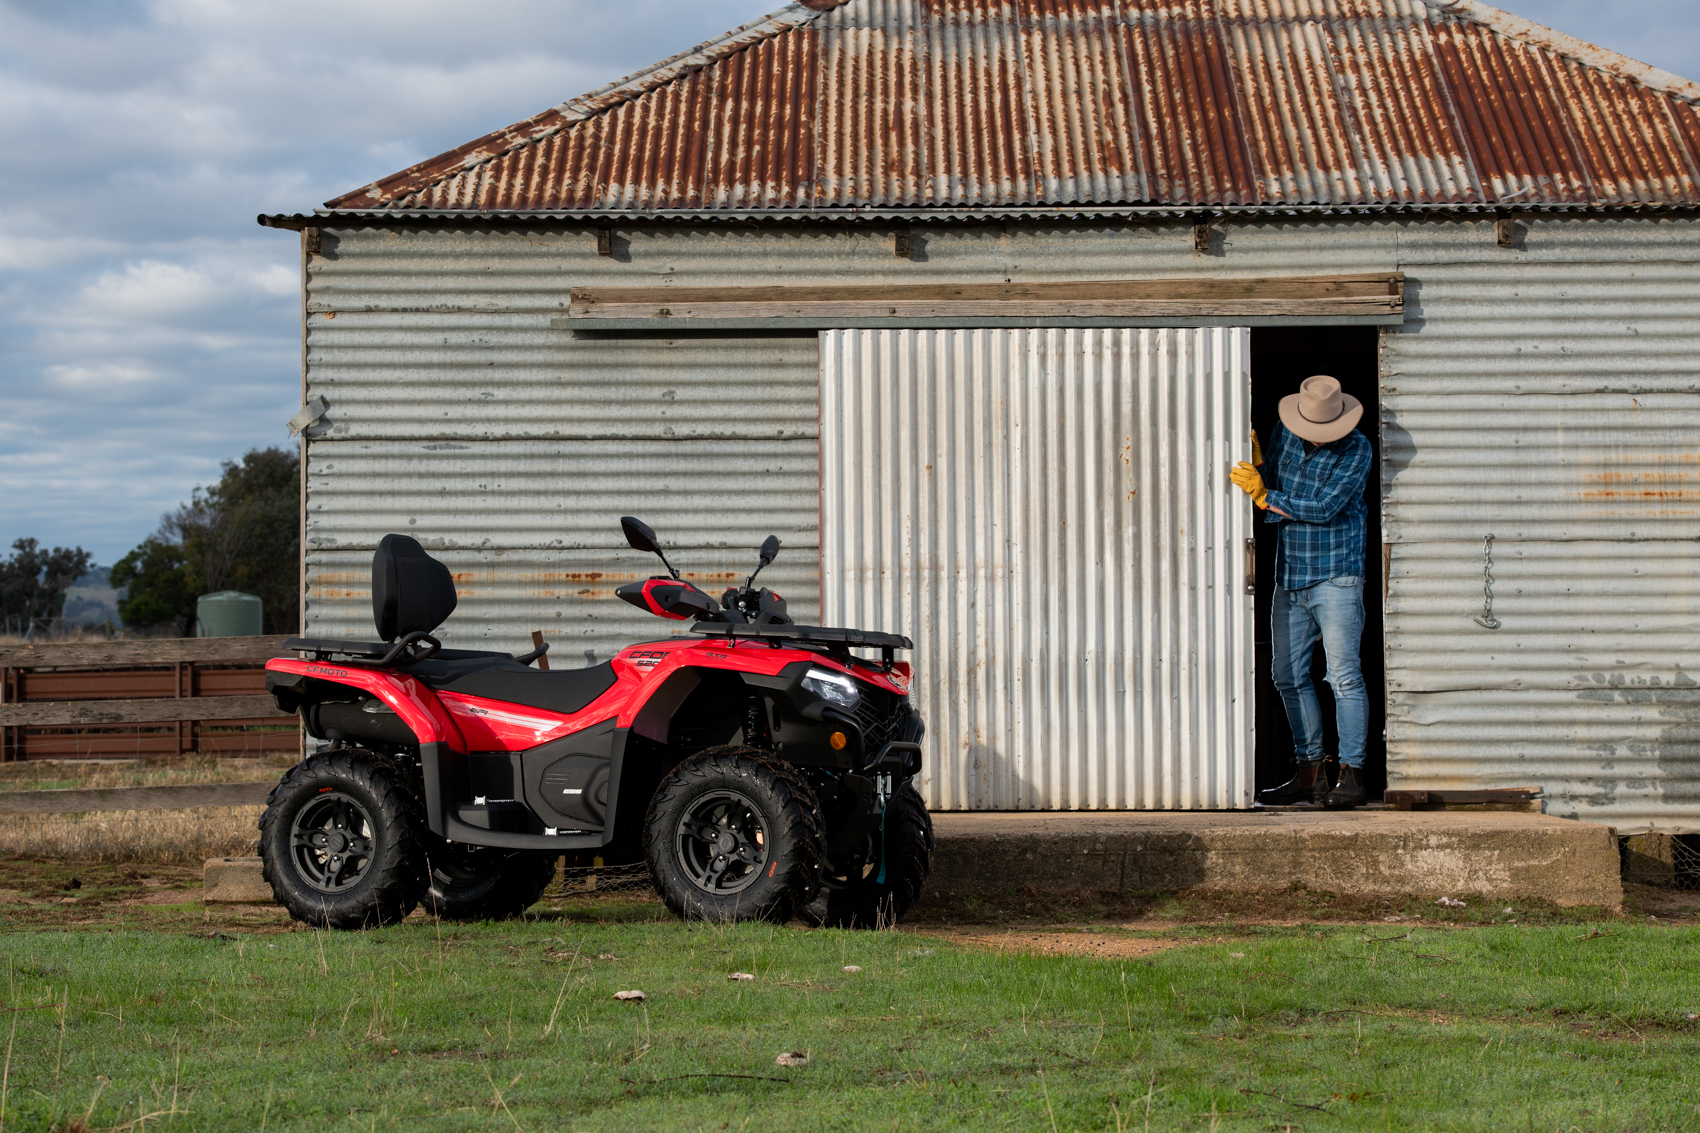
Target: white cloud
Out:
[275,279]
[100,376]
[145,290]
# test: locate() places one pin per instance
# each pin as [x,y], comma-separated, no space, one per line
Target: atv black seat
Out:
[497,676]
[411,591]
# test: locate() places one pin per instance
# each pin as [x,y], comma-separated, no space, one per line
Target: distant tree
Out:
[156,587]
[243,533]
[34,580]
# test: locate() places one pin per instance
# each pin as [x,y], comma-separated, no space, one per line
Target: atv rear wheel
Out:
[734,834]
[470,884]
[339,844]
[881,883]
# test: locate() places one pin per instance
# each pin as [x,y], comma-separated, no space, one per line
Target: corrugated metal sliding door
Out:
[1048,514]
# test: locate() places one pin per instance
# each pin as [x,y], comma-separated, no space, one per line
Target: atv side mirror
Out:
[639,535]
[769,552]
[642,538]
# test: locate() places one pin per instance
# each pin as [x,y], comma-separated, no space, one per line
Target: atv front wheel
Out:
[470,884]
[734,834]
[882,882]
[339,844]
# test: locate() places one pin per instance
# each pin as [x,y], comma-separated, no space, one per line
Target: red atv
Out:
[761,768]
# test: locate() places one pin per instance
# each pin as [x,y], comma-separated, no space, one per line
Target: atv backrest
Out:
[411,591]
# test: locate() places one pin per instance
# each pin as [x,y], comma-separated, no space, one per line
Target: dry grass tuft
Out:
[162,836]
[171,771]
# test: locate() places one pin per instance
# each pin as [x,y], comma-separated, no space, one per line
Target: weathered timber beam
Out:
[74,713]
[1342,295]
[133,798]
[146,651]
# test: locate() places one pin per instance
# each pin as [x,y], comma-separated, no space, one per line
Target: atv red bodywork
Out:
[499,755]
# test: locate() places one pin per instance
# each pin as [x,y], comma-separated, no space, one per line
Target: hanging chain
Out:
[1487,620]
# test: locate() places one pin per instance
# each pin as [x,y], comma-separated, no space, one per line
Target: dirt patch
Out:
[1644,902]
[169,897]
[1102,945]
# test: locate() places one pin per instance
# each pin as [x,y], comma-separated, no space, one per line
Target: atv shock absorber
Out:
[755,724]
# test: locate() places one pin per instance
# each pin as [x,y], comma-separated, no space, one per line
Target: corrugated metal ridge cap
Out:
[330,218]
[1588,54]
[493,145]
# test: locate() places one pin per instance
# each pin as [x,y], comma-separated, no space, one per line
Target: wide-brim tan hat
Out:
[1319,412]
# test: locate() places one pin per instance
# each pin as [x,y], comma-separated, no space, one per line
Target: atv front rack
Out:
[832,639]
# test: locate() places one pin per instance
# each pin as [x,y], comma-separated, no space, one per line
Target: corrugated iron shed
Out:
[964,104]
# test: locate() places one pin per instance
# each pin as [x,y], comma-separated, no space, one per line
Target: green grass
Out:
[514,1026]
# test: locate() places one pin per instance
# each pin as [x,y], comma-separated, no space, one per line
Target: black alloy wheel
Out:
[733,834]
[339,842]
[331,842]
[721,842]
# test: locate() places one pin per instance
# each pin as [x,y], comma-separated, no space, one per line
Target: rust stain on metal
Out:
[964,103]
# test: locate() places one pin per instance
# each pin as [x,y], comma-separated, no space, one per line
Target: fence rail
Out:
[123,699]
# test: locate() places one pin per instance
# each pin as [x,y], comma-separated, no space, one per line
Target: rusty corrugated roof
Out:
[964,104]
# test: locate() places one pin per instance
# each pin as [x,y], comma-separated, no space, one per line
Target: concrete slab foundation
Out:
[1365,852]
[1360,852]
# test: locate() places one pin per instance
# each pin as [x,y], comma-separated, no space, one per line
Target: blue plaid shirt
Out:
[1324,495]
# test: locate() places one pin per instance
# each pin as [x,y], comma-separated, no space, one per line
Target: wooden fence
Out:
[124,699]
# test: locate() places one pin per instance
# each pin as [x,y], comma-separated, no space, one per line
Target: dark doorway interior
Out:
[1281,358]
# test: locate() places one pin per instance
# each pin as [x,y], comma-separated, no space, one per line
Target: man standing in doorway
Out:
[1312,485]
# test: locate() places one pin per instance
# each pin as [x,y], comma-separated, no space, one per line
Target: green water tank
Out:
[229,613]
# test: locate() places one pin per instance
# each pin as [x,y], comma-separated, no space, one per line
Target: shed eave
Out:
[1193,213]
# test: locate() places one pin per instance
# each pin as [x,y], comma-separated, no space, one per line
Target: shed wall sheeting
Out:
[1004,103]
[1556,406]
[1547,393]
[1048,515]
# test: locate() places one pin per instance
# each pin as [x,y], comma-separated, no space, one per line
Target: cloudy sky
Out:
[148,327]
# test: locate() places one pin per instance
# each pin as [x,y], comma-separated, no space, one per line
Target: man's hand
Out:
[1256,450]
[1248,480]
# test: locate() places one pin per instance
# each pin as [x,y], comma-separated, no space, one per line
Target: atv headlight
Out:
[833,687]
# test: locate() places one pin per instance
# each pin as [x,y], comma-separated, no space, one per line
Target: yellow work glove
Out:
[1256,450]
[1248,480]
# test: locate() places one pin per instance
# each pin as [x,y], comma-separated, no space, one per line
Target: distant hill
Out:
[91,600]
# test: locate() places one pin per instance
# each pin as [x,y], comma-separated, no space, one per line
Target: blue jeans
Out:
[1332,610]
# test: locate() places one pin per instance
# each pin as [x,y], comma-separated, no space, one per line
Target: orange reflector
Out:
[838,740]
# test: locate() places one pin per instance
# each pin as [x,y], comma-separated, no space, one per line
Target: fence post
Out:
[9,737]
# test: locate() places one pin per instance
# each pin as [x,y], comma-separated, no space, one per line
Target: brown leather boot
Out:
[1349,791]
[1307,785]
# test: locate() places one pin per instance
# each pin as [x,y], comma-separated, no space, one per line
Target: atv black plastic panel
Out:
[496,814]
[494,774]
[568,781]
[444,771]
[576,786]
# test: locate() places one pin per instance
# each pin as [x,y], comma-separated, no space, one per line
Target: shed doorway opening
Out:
[1281,358]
